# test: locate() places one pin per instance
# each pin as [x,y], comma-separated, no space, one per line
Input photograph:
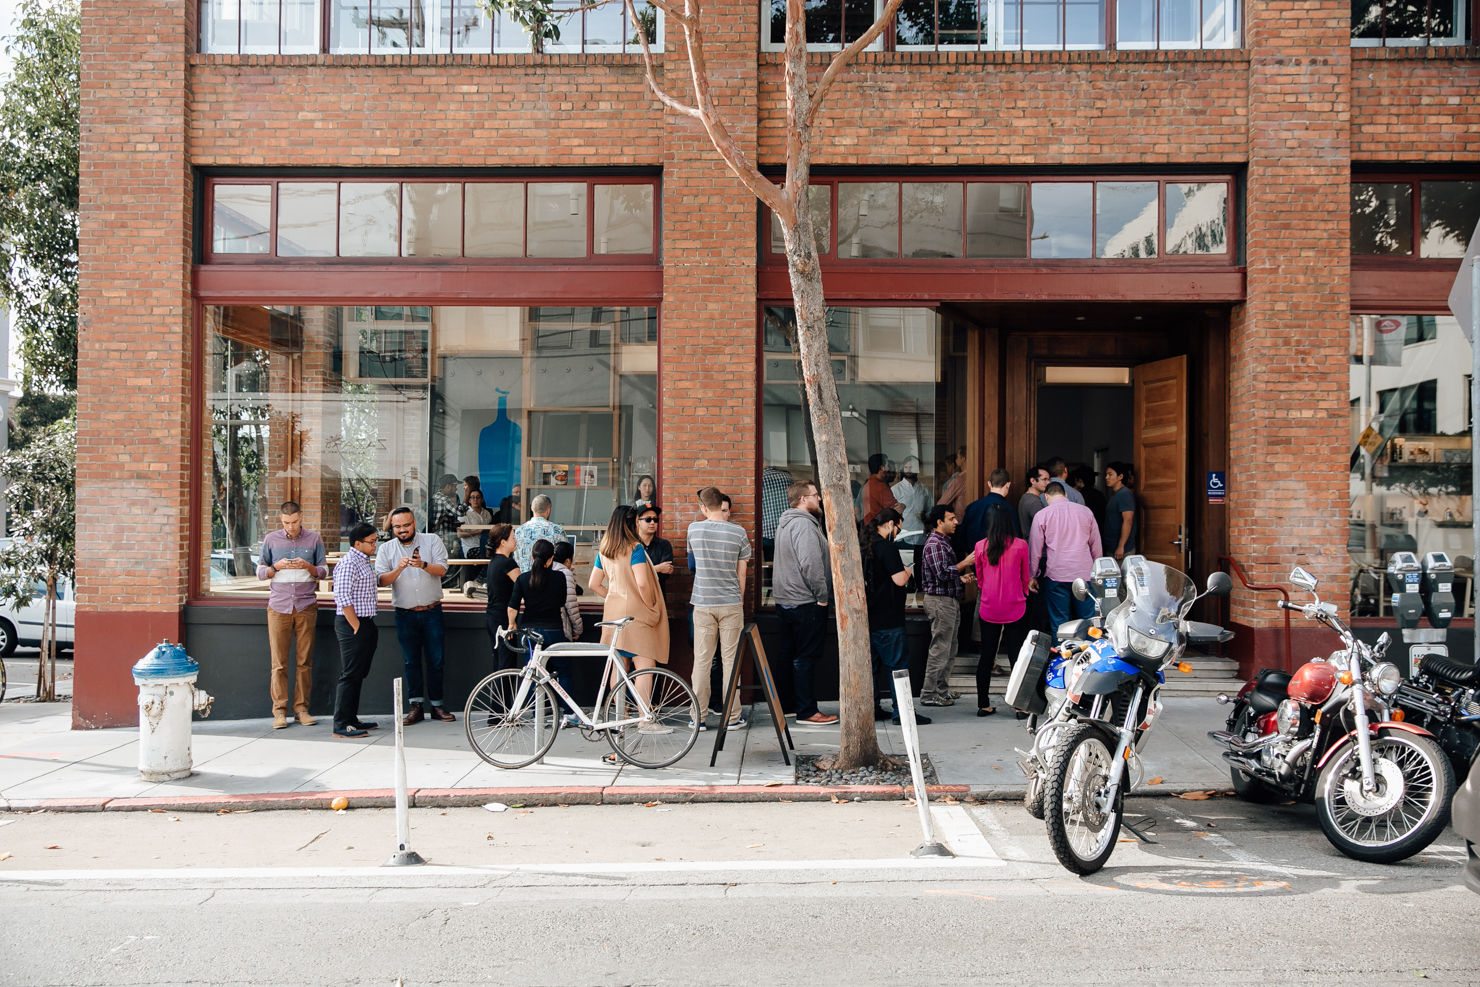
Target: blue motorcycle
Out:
[1092,702]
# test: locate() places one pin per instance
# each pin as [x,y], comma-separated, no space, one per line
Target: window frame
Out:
[272,258]
[831,258]
[1412,259]
[1466,14]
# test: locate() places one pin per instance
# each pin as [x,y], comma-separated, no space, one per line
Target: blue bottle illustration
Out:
[499,447]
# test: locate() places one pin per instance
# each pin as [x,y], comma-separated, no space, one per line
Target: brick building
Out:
[334,251]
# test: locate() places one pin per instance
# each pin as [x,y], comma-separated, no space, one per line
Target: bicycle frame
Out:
[535,671]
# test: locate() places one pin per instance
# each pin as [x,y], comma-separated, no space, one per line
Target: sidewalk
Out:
[247,764]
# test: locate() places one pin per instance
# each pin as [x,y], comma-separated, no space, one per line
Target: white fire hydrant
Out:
[167,697]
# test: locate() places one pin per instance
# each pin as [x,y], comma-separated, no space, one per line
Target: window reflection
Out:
[1382,218]
[368,215]
[997,219]
[557,219]
[868,219]
[1061,219]
[494,219]
[241,219]
[1125,219]
[819,199]
[624,219]
[308,216]
[1197,218]
[431,219]
[1410,483]
[350,410]
[1448,212]
[898,395]
[932,219]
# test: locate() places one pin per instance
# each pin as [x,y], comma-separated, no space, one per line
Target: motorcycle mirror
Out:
[1080,589]
[1303,580]
[1383,642]
[1219,584]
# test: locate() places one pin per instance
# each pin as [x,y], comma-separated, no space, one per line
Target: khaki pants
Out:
[282,630]
[711,623]
[945,622]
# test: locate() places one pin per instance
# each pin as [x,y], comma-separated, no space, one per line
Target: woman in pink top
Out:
[1002,575]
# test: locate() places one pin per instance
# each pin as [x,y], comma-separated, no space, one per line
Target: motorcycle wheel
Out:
[1033,801]
[1245,785]
[1081,834]
[1409,810]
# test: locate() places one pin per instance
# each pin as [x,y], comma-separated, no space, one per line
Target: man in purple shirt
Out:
[1068,535]
[293,559]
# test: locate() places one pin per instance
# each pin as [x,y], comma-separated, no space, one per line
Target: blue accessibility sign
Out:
[1217,486]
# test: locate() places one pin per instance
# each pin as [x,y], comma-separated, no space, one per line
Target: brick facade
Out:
[1293,111]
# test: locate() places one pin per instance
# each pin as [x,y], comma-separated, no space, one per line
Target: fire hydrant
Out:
[167,697]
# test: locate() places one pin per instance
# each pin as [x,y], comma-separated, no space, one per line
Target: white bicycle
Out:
[649,717]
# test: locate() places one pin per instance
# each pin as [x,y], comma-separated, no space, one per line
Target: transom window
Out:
[1016,25]
[429,219]
[1409,22]
[1111,219]
[418,27]
[1386,223]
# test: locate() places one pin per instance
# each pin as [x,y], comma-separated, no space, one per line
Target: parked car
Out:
[1464,816]
[23,625]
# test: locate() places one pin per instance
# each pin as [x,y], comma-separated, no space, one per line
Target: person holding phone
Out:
[354,627]
[412,564]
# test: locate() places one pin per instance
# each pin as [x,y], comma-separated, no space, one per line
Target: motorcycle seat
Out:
[1451,670]
[1263,700]
[1274,681]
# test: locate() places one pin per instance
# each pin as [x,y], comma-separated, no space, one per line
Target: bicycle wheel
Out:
[669,730]
[506,729]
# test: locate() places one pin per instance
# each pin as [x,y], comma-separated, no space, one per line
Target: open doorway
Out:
[1086,416]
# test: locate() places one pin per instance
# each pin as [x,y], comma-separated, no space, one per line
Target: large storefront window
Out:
[900,374]
[354,410]
[1410,483]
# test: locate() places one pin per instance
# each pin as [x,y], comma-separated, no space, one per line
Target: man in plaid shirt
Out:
[942,581]
[355,585]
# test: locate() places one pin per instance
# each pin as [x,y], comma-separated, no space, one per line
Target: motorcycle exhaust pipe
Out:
[1232,743]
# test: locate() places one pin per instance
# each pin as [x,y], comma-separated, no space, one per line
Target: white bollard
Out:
[167,698]
[404,855]
[905,704]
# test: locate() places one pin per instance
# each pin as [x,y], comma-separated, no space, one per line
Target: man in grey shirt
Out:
[1120,513]
[1059,470]
[1032,500]
[719,553]
[801,585]
[412,564]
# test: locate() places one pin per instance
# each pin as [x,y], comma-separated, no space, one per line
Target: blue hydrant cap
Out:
[165,661]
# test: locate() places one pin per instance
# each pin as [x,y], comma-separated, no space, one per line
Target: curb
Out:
[452,797]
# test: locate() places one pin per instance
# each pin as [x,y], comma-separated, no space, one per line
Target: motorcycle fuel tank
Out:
[1314,683]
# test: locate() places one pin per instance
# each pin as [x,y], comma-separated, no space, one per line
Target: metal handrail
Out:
[1239,572]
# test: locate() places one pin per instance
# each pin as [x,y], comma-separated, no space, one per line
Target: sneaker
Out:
[653,728]
[880,713]
[919,718]
[702,725]
[937,702]
[739,724]
[570,720]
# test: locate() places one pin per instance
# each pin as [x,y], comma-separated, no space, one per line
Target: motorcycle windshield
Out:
[1158,589]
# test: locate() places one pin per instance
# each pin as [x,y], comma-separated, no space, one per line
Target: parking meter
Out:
[1404,576]
[1436,588]
[1105,575]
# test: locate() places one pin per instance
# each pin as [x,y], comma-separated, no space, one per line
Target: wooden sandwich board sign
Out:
[750,641]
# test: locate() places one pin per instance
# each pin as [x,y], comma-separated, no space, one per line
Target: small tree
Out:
[38,191]
[859,743]
[42,488]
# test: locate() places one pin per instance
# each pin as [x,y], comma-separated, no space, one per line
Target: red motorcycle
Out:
[1332,734]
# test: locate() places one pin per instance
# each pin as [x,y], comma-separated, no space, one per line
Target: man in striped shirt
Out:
[355,585]
[719,553]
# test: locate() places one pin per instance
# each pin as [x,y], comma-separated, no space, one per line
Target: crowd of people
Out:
[1004,568]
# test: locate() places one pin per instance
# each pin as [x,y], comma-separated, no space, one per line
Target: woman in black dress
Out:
[500,575]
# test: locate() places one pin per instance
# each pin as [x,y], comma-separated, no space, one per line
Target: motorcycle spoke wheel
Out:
[507,729]
[1081,831]
[1406,813]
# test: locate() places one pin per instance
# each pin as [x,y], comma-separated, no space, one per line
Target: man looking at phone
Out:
[292,559]
[412,564]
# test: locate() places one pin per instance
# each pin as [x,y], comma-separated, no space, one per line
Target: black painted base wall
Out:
[230,644]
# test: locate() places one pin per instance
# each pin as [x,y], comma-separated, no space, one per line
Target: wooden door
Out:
[1161,461]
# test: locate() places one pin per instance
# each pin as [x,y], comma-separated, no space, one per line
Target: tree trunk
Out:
[858,742]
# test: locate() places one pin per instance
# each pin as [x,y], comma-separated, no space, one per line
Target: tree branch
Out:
[647,66]
[841,60]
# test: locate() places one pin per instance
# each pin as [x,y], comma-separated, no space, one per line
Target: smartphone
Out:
[416,556]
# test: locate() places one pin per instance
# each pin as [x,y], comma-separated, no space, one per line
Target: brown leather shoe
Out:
[304,719]
[416,715]
[439,713]
[819,717]
[279,721]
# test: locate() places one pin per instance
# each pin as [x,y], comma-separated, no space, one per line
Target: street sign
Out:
[1217,486]
[1460,295]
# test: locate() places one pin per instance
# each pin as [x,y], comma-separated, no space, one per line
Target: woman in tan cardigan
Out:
[624,576]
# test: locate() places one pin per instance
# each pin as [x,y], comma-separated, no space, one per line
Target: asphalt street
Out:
[717,894]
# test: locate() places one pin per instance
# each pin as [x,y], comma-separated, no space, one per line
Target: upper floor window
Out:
[1409,22]
[421,27]
[1121,219]
[1385,222]
[1016,25]
[297,219]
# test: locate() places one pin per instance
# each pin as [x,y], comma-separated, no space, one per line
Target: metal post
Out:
[1474,459]
[404,855]
[905,705]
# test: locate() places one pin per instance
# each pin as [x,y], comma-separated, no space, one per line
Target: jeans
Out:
[1063,607]
[418,631]
[356,652]
[803,636]
[945,621]
[890,653]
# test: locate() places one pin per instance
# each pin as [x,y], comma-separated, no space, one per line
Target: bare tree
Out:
[805,96]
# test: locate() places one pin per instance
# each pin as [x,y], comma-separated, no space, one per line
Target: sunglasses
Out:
[648,520]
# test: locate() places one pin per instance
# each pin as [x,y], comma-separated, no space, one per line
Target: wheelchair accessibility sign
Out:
[1217,486]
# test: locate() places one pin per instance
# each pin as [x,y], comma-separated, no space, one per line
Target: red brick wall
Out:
[1415,104]
[134,344]
[1288,425]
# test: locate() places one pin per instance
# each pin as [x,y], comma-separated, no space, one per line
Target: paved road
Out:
[760,894]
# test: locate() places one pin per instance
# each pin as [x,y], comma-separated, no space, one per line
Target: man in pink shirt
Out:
[1069,536]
